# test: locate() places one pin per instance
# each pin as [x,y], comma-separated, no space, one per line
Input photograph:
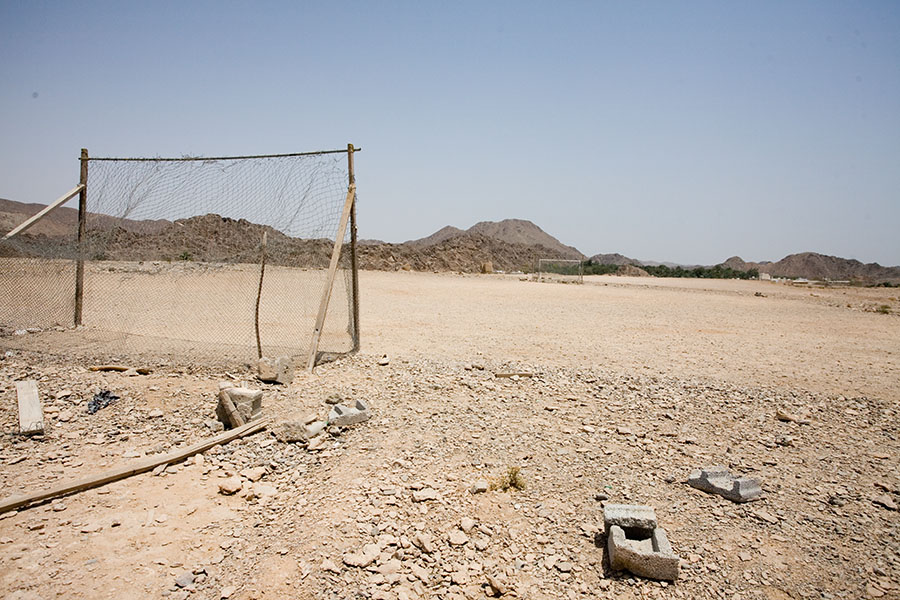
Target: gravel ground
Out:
[385,509]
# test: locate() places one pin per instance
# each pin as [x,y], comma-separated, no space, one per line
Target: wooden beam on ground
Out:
[119,368]
[332,269]
[44,212]
[31,415]
[141,466]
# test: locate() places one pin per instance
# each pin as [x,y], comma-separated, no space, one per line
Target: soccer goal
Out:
[559,270]
[237,255]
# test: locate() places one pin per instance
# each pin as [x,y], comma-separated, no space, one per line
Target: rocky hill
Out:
[512,244]
[614,259]
[213,238]
[442,234]
[813,265]
[518,231]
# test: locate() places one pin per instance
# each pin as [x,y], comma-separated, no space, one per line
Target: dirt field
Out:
[635,382]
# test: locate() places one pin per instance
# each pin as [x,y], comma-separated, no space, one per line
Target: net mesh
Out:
[559,269]
[173,252]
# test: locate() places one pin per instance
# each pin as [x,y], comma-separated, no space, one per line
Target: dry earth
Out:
[635,383]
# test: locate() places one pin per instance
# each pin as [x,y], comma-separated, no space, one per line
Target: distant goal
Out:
[559,270]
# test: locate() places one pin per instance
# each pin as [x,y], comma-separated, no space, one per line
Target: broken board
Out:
[31,415]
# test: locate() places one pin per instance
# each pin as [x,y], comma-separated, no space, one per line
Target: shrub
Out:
[511,479]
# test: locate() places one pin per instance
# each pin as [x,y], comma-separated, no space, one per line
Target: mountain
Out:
[63,221]
[444,233]
[813,265]
[614,259]
[519,231]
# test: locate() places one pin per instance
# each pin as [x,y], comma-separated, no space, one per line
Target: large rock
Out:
[275,370]
[296,431]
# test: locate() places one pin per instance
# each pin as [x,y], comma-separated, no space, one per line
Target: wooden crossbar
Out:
[45,211]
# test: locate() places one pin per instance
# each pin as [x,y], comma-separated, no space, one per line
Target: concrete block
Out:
[629,516]
[644,552]
[717,480]
[275,370]
[343,416]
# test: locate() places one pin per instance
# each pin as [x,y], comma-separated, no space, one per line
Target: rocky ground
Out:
[386,508]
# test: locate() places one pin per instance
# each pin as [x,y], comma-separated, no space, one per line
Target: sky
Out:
[674,131]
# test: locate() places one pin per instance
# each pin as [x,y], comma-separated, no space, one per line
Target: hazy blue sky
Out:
[685,131]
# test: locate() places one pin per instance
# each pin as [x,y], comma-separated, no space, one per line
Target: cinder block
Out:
[646,553]
[629,516]
[342,416]
[717,480]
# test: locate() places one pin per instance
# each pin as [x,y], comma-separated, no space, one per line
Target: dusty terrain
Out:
[635,383]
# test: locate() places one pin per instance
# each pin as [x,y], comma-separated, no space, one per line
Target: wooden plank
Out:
[120,368]
[233,415]
[44,212]
[332,269]
[141,466]
[31,415]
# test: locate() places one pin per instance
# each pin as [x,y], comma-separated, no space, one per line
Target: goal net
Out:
[559,270]
[173,252]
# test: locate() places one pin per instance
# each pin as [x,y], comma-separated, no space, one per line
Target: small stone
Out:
[362,559]
[766,516]
[185,579]
[155,413]
[264,490]
[467,524]
[254,474]
[328,565]
[229,486]
[885,501]
[480,487]
[389,567]
[317,443]
[744,556]
[498,588]
[420,572]
[458,538]
[227,592]
[424,542]
[384,360]
[564,566]
[425,495]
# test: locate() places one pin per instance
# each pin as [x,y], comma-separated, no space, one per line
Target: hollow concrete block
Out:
[644,552]
[717,480]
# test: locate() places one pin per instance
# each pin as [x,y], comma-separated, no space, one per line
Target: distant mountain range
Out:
[511,244]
